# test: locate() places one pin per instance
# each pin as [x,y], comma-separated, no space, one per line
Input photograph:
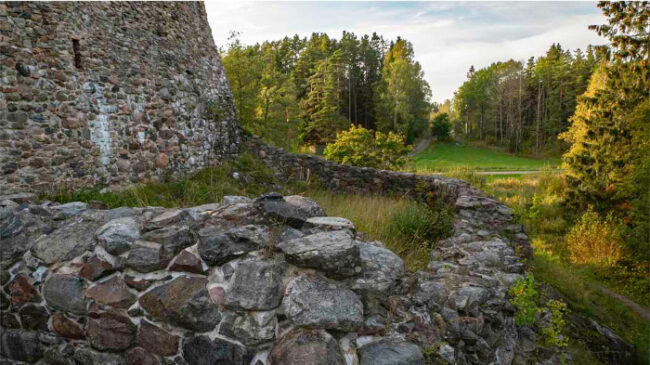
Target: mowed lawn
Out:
[448,156]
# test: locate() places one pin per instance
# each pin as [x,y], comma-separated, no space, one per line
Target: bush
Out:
[553,333]
[524,298]
[440,126]
[358,147]
[595,241]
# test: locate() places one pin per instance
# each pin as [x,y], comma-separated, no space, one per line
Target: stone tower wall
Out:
[109,93]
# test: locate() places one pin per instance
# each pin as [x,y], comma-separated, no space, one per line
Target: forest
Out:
[301,91]
[522,107]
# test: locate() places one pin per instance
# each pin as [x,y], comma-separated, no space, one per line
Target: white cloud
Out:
[448,37]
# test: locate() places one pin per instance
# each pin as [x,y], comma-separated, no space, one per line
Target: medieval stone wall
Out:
[110,93]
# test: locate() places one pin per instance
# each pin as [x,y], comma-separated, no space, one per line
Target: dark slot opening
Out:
[77,53]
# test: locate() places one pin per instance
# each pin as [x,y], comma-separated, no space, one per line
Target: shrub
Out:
[440,126]
[524,298]
[552,334]
[594,240]
[358,147]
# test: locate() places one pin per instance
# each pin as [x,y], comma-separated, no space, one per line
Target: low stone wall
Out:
[466,283]
[263,282]
[490,216]
[109,93]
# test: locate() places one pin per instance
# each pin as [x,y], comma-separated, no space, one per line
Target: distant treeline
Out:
[523,107]
[304,90]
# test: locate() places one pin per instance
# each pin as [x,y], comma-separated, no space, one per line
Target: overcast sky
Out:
[448,37]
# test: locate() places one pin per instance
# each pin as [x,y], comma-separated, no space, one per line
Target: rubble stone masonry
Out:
[109,93]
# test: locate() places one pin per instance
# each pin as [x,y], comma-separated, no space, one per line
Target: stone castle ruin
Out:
[109,93]
[114,93]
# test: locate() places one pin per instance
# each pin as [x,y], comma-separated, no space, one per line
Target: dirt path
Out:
[511,172]
[631,305]
[421,146]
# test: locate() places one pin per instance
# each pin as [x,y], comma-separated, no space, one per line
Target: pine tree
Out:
[610,150]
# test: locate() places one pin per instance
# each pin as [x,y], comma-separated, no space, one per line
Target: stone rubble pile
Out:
[265,281]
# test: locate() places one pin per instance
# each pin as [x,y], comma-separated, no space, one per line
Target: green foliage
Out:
[321,106]
[608,159]
[304,90]
[553,334]
[524,298]
[579,283]
[263,90]
[523,106]
[402,94]
[535,210]
[441,127]
[358,147]
[594,240]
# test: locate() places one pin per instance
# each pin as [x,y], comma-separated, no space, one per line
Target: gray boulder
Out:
[84,356]
[147,256]
[218,245]
[69,209]
[20,345]
[200,350]
[380,269]
[251,329]
[256,285]
[329,223]
[293,211]
[390,352]
[312,301]
[67,242]
[235,199]
[173,238]
[118,234]
[336,253]
[306,346]
[65,292]
[311,207]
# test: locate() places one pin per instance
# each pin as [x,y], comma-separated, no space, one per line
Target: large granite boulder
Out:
[290,210]
[256,284]
[380,269]
[335,253]
[390,352]
[65,292]
[69,241]
[146,256]
[218,245]
[118,234]
[312,301]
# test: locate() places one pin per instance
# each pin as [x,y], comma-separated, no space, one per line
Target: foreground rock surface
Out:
[265,281]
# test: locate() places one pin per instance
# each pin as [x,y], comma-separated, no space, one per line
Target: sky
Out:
[447,37]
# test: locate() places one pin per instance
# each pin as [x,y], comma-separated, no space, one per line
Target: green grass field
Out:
[448,156]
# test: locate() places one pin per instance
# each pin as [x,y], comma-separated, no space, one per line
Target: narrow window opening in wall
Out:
[77,53]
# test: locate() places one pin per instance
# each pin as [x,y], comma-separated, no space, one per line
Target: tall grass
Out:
[407,228]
